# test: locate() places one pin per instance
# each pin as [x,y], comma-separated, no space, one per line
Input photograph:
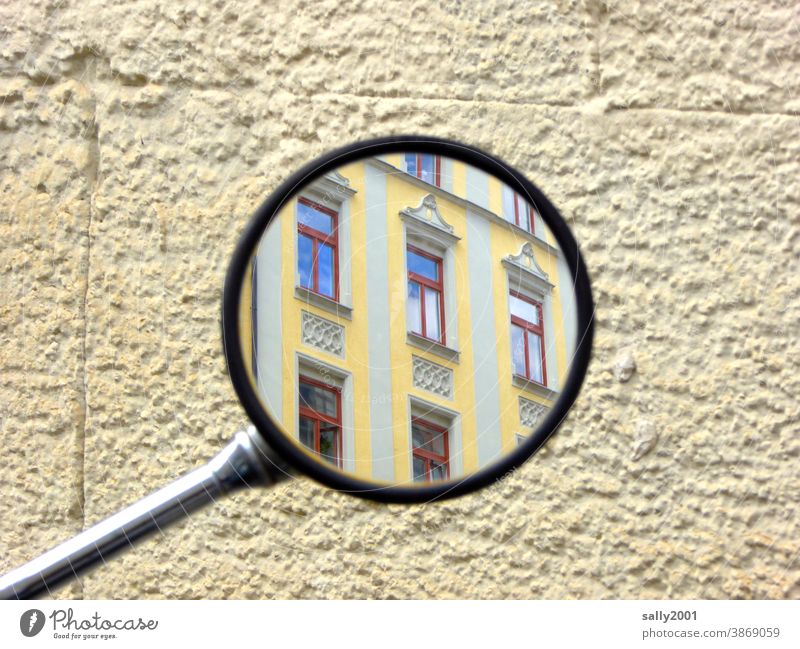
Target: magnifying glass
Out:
[405,319]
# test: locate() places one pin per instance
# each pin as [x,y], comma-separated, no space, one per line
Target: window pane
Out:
[327,443]
[419,470]
[526,216]
[535,357]
[428,171]
[413,312]
[428,439]
[318,399]
[418,436]
[433,327]
[307,432]
[314,218]
[305,253]
[508,204]
[307,396]
[411,163]
[524,310]
[325,272]
[422,265]
[438,471]
[518,350]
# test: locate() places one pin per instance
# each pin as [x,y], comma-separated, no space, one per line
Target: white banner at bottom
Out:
[401,624]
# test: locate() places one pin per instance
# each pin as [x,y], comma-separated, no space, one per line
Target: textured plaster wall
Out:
[137,137]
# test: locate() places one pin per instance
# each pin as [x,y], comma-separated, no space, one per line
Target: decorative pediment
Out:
[332,187]
[527,271]
[526,260]
[428,216]
[340,181]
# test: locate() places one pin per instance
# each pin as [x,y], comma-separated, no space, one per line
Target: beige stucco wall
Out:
[137,137]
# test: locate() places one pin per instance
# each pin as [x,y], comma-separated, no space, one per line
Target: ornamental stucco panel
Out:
[322,334]
[530,413]
[432,377]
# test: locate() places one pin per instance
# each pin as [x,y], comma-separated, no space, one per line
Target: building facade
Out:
[410,318]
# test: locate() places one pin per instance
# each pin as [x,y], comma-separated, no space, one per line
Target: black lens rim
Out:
[339,480]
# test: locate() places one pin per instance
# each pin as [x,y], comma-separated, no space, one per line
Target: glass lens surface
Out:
[408,319]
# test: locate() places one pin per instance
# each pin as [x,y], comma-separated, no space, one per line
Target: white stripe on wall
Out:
[380,371]
[483,339]
[270,363]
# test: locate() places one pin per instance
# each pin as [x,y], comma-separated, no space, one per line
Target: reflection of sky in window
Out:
[508,204]
[428,168]
[305,252]
[535,356]
[518,350]
[411,163]
[307,215]
[524,310]
[414,320]
[432,314]
[325,262]
[509,209]
[422,266]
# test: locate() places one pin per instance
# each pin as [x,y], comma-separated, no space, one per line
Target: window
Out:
[517,210]
[317,256]
[527,338]
[320,420]
[431,309]
[425,304]
[425,166]
[430,451]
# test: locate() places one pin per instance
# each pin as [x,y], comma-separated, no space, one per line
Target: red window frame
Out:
[320,418]
[437,168]
[438,286]
[318,238]
[533,328]
[522,206]
[429,456]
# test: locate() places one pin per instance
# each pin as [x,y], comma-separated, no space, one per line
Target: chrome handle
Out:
[246,462]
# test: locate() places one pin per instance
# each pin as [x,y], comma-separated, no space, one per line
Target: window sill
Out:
[322,302]
[533,387]
[425,344]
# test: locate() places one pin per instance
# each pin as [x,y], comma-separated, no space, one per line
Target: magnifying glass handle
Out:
[246,462]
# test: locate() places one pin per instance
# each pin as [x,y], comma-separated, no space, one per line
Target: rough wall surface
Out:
[135,141]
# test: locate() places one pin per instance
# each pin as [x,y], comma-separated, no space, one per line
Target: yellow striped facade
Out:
[363,343]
